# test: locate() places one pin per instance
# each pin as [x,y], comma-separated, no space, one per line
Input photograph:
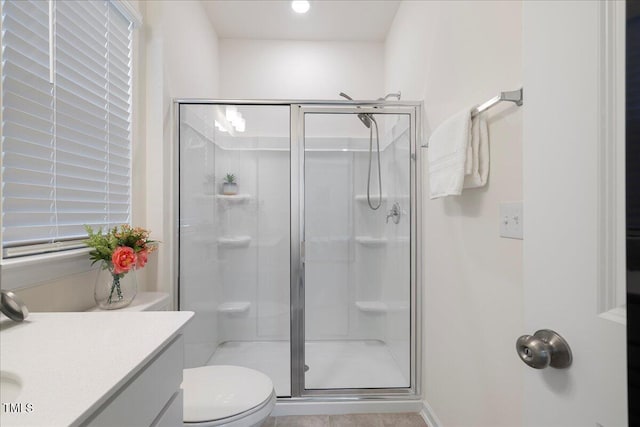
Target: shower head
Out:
[364,118]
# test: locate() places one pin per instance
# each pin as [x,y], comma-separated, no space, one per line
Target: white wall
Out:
[285,69]
[453,55]
[181,62]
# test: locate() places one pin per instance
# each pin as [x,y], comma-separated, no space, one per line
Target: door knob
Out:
[544,348]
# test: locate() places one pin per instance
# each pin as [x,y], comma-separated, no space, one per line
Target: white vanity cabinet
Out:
[112,368]
[152,397]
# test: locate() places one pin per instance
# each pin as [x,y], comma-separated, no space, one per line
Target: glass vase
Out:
[113,290]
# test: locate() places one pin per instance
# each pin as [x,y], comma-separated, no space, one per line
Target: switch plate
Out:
[511,220]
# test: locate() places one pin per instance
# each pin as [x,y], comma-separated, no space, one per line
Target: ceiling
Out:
[345,20]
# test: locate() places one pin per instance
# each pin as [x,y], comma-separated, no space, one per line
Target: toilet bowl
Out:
[224,395]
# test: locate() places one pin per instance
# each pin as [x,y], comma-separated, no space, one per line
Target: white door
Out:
[573,262]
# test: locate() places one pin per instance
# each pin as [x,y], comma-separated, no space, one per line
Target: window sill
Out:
[33,270]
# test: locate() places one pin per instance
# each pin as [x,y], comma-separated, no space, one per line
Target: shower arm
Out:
[389,95]
[396,95]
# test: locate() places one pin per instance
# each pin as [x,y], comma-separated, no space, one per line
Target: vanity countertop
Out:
[70,364]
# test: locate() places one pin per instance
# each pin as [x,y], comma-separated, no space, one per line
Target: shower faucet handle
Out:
[395,213]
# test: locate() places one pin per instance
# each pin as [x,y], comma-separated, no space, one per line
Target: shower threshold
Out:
[332,364]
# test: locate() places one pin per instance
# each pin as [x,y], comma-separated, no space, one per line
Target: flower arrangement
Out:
[121,250]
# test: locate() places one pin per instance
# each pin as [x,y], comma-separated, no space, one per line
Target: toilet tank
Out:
[145,301]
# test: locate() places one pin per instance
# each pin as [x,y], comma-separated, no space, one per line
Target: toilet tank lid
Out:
[214,392]
[145,301]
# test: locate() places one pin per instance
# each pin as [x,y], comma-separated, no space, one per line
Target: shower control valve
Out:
[395,213]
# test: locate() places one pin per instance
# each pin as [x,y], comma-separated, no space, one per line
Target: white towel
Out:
[458,155]
[478,154]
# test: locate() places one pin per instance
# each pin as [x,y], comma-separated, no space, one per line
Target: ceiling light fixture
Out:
[300,6]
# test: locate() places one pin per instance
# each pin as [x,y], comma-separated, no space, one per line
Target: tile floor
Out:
[350,420]
[332,364]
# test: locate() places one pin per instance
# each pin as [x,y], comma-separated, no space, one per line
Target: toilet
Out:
[218,395]
[224,395]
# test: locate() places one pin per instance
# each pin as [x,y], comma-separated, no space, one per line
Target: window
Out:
[66,122]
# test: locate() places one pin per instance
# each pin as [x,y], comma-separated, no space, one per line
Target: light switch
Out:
[511,220]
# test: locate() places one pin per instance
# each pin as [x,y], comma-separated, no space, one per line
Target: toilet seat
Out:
[226,395]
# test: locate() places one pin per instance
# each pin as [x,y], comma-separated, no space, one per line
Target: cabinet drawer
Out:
[140,401]
[171,415]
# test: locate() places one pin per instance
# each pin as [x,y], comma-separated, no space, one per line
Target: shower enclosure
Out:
[308,270]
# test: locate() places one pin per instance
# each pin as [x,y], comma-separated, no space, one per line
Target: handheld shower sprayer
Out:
[367,119]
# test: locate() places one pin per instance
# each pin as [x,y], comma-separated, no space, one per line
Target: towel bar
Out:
[515,96]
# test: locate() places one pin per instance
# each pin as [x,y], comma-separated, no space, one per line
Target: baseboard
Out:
[285,407]
[429,416]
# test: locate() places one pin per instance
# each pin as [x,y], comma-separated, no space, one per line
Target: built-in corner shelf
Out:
[233,199]
[234,242]
[375,307]
[371,242]
[385,198]
[234,307]
[374,198]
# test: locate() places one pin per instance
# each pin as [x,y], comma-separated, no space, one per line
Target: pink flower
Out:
[123,259]
[141,258]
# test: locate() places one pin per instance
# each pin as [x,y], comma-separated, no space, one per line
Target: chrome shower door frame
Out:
[298,339]
[297,333]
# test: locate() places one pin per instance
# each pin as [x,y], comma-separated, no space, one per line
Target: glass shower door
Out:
[357,275]
[234,236]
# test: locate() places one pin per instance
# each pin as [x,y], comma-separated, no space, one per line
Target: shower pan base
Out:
[332,364]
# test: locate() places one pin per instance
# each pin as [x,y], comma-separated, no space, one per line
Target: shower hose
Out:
[379,169]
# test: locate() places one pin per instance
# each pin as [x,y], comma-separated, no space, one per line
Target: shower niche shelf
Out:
[234,307]
[371,242]
[236,198]
[234,242]
[374,198]
[375,307]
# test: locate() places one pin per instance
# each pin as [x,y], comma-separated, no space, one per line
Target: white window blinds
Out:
[66,144]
